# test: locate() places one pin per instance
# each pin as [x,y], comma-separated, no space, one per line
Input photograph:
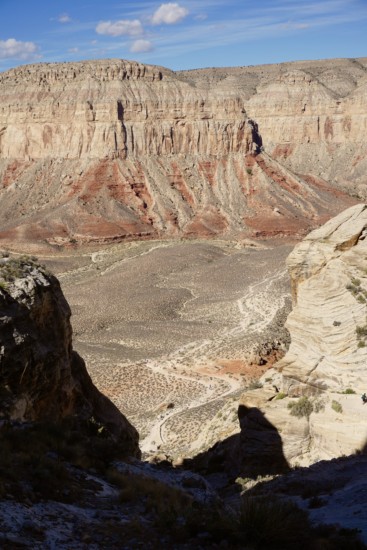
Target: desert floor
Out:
[172,331]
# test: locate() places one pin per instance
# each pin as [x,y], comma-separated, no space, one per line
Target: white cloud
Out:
[73,50]
[169,13]
[20,50]
[123,27]
[64,18]
[140,46]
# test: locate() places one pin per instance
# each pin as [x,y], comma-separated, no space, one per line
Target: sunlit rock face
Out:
[106,150]
[326,361]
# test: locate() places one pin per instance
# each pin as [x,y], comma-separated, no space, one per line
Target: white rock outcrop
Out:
[326,361]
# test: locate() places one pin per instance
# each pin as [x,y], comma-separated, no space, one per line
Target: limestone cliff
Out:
[105,150]
[41,377]
[326,362]
[311,114]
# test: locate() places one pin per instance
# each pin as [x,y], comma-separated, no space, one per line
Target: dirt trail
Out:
[172,331]
[256,309]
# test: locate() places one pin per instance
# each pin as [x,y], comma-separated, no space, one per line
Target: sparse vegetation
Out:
[303,407]
[336,406]
[318,406]
[13,268]
[34,459]
[348,391]
[4,285]
[280,395]
[268,523]
[255,385]
[360,295]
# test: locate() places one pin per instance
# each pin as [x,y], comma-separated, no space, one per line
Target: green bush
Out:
[336,406]
[280,395]
[361,331]
[348,391]
[301,407]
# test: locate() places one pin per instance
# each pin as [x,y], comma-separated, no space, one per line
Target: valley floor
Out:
[172,331]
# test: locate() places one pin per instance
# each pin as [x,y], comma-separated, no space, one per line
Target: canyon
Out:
[101,151]
[175,209]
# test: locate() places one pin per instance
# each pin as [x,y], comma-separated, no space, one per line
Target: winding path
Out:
[256,310]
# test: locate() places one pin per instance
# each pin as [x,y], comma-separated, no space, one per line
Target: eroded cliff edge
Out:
[41,377]
[323,375]
[111,149]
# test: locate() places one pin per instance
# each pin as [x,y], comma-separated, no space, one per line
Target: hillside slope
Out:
[107,150]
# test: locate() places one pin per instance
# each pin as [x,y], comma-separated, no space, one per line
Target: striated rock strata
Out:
[326,361]
[41,377]
[107,150]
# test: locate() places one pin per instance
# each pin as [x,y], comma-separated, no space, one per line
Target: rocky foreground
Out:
[68,468]
[108,150]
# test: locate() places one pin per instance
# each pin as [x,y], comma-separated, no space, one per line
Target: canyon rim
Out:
[167,203]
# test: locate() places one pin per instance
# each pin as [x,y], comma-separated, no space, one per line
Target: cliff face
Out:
[116,109]
[326,361]
[41,377]
[104,150]
[311,114]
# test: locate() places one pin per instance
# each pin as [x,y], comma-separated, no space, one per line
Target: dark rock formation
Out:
[41,377]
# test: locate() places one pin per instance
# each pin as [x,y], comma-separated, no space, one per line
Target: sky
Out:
[186,34]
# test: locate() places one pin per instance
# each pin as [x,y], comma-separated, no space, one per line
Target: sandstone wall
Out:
[114,109]
[111,149]
[326,361]
[311,114]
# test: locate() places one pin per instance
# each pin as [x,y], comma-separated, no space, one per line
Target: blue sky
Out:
[181,35]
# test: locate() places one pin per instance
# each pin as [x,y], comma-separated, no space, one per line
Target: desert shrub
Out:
[280,395]
[350,287]
[267,523]
[302,407]
[318,406]
[249,171]
[35,458]
[355,281]
[361,344]
[348,391]
[361,331]
[336,406]
[255,385]
[157,496]
[19,267]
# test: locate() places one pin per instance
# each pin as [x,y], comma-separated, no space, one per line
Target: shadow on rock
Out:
[256,451]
